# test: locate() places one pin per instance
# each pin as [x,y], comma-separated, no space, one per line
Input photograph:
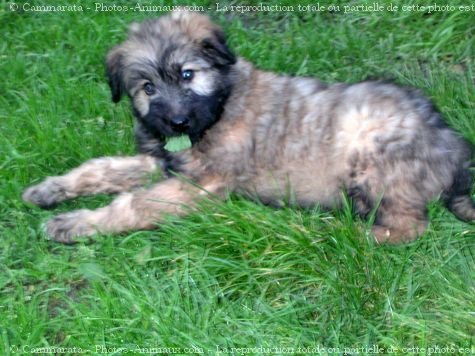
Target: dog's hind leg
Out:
[399,224]
[101,175]
[138,210]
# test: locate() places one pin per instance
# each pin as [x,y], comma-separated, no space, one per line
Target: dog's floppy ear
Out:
[114,73]
[208,37]
[215,49]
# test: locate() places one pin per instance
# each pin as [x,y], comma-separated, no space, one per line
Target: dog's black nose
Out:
[180,123]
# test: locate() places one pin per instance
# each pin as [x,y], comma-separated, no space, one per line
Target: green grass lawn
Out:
[237,274]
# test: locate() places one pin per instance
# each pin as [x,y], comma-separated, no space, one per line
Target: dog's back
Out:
[302,141]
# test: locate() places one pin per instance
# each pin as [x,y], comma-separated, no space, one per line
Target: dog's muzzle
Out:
[180,123]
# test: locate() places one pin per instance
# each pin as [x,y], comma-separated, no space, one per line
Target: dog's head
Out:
[176,71]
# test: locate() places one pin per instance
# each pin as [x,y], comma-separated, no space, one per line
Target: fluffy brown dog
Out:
[272,137]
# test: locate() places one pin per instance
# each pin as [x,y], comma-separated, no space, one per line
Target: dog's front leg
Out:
[100,175]
[141,209]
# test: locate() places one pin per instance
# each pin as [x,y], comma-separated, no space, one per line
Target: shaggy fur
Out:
[275,138]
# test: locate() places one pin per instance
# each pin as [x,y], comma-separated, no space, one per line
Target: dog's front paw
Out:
[46,194]
[67,227]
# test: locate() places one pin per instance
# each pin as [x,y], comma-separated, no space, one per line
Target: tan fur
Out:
[142,209]
[280,139]
[101,175]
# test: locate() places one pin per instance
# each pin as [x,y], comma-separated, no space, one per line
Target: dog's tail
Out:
[459,200]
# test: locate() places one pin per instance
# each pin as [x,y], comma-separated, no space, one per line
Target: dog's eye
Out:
[187,75]
[149,88]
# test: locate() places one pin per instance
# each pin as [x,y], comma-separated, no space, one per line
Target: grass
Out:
[238,274]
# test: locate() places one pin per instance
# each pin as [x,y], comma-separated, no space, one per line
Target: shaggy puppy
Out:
[277,138]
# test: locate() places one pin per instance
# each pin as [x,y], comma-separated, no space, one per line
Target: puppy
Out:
[271,137]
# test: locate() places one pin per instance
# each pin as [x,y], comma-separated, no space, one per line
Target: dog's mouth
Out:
[177,143]
[177,126]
